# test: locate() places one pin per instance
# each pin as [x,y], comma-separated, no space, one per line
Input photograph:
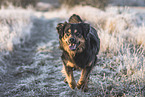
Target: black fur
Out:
[82,57]
[75,19]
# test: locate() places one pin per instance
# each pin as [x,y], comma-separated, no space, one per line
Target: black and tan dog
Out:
[80,45]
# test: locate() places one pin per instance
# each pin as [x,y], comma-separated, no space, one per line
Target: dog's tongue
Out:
[72,47]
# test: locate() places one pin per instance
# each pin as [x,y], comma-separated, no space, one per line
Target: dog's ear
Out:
[60,28]
[75,19]
[85,28]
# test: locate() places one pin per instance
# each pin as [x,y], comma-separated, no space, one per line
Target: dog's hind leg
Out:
[69,77]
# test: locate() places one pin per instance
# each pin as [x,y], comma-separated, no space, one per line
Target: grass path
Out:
[35,68]
[24,60]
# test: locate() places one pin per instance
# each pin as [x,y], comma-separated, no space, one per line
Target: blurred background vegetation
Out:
[95,3]
[69,3]
[23,3]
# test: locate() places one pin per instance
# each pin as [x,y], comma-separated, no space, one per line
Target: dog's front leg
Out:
[82,83]
[69,77]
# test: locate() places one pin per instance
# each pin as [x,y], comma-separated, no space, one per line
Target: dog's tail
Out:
[75,19]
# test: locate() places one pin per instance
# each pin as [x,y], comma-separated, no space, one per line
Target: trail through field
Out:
[35,68]
[34,64]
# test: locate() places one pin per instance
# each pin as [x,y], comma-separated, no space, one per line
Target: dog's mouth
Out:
[73,46]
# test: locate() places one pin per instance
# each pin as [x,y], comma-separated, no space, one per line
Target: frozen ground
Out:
[30,64]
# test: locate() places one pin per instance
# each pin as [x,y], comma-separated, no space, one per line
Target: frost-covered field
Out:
[15,28]
[30,63]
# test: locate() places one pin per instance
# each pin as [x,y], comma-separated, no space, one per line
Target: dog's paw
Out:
[82,85]
[85,89]
[72,85]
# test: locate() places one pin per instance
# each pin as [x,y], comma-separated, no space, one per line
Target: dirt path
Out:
[28,61]
[35,66]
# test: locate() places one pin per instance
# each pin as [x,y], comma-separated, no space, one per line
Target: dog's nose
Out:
[72,40]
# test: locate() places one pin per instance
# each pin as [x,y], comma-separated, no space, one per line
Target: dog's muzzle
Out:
[72,40]
[72,44]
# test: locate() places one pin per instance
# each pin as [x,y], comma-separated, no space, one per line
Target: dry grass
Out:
[22,3]
[121,67]
[95,3]
[12,25]
[15,25]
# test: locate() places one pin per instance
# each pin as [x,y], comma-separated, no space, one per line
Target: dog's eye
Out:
[67,34]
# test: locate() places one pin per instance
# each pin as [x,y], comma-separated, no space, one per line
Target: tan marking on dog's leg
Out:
[65,80]
[82,83]
[69,77]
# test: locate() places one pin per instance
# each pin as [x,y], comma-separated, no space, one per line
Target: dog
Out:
[80,45]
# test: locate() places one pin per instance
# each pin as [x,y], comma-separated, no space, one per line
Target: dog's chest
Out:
[71,64]
[79,61]
[75,65]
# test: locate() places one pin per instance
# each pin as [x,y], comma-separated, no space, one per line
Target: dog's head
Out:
[72,37]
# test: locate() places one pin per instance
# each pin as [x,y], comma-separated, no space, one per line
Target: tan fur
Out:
[70,64]
[83,80]
[81,46]
[78,52]
[69,30]
[69,77]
